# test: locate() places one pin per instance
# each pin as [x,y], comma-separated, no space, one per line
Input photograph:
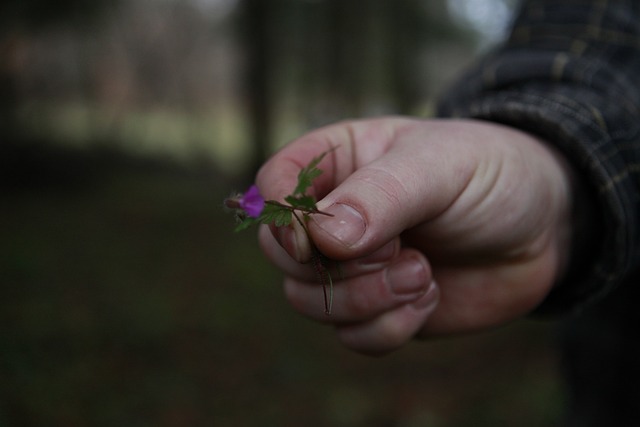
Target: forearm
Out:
[568,73]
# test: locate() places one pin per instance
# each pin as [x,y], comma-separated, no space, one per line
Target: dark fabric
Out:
[570,73]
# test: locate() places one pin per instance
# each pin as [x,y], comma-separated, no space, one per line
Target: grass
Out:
[128,301]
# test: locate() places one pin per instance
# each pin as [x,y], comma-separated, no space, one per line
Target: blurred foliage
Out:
[272,69]
[36,14]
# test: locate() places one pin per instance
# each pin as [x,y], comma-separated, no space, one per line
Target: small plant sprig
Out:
[252,209]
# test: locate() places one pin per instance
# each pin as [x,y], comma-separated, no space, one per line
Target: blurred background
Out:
[125,297]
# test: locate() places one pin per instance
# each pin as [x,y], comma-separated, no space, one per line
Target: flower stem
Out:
[293,209]
[320,266]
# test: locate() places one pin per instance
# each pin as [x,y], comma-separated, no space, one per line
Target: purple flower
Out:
[252,202]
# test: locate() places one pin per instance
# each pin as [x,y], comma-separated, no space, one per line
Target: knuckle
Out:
[384,187]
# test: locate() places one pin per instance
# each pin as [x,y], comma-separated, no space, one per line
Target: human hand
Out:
[440,226]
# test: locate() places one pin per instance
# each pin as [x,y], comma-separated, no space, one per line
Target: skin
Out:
[441,227]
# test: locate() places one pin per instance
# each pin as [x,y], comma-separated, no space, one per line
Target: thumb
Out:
[418,178]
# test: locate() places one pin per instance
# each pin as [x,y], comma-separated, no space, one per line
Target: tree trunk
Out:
[256,41]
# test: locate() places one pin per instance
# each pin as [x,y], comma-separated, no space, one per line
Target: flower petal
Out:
[252,202]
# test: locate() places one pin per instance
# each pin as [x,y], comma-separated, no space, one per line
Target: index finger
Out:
[278,177]
[353,144]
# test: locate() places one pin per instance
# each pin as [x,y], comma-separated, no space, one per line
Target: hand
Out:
[441,226]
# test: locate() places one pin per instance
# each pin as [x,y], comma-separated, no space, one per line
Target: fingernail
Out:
[296,245]
[287,240]
[429,299]
[407,277]
[346,225]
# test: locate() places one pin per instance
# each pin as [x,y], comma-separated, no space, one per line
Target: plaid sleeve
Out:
[570,73]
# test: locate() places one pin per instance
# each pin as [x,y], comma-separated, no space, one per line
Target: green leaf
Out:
[283,218]
[302,202]
[278,215]
[308,174]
